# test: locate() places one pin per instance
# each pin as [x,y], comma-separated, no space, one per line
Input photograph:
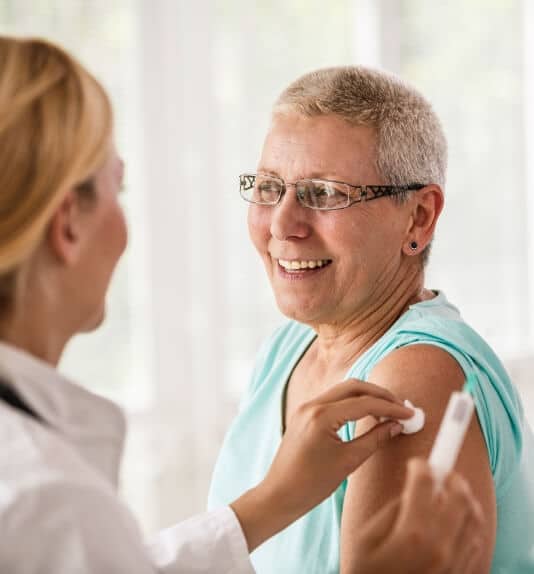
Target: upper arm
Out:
[426,375]
[62,527]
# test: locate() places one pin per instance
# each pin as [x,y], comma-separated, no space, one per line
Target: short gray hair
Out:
[411,145]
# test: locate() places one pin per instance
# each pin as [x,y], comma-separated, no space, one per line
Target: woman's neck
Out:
[339,344]
[34,331]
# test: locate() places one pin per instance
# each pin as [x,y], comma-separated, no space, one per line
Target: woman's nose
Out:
[289,218]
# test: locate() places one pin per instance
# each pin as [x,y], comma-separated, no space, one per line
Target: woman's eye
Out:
[266,188]
[321,191]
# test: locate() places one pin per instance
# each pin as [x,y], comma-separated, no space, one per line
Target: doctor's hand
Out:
[423,531]
[312,460]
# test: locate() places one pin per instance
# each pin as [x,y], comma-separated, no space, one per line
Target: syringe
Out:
[452,432]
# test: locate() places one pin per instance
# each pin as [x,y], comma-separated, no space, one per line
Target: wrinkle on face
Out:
[364,241]
[306,148]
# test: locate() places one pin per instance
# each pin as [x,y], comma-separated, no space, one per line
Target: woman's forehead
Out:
[320,146]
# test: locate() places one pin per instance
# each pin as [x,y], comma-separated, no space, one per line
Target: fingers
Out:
[468,558]
[425,530]
[445,526]
[376,529]
[462,515]
[361,448]
[459,507]
[417,495]
[355,408]
[355,388]
[472,563]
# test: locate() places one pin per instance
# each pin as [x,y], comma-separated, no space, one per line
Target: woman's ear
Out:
[65,230]
[425,211]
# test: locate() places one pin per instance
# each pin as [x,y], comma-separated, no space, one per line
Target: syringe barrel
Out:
[451,434]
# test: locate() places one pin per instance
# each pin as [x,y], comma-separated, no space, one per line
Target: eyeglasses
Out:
[322,194]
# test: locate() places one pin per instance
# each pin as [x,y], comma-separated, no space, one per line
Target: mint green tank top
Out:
[311,544]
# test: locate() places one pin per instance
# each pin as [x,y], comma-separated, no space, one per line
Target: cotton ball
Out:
[415,423]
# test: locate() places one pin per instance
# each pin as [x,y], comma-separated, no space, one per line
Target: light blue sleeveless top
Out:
[311,544]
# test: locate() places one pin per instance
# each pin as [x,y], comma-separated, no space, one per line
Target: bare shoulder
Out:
[424,374]
[423,371]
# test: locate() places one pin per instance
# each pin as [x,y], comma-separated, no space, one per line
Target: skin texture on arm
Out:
[426,375]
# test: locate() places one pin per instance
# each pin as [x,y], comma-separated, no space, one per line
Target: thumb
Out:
[376,530]
[418,494]
[362,447]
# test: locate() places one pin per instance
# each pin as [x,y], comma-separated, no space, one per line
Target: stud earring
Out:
[414,246]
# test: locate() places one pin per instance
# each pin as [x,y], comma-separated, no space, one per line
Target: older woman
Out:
[344,204]
[62,232]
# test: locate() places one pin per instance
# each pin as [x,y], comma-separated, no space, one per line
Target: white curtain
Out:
[192,84]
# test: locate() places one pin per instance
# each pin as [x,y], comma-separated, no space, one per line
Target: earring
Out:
[414,246]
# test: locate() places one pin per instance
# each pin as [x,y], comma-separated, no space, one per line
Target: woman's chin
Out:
[296,311]
[94,322]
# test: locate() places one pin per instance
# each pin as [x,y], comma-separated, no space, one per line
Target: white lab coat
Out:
[59,510]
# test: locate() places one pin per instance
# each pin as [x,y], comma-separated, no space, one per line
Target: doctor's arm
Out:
[220,541]
[64,526]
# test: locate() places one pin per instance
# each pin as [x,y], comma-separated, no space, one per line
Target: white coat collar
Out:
[94,426]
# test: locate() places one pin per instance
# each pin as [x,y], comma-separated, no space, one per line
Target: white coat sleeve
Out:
[210,542]
[64,528]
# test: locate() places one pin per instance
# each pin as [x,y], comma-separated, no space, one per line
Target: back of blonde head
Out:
[411,146]
[55,125]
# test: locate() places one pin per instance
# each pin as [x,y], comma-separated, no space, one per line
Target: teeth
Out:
[296,265]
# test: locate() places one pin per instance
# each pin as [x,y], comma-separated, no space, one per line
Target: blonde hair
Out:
[55,126]
[411,146]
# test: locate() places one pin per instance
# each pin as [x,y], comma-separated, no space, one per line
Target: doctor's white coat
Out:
[59,511]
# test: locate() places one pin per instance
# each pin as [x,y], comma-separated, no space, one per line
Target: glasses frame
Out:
[365,192]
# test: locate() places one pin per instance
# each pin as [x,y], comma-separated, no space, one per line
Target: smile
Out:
[298,265]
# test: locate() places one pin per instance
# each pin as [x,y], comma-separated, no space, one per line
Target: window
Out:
[192,84]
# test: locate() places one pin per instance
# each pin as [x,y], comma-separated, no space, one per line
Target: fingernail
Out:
[395,430]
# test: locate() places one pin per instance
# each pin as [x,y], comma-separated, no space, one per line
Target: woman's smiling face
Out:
[326,266]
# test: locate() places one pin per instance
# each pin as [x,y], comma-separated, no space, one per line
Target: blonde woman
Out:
[62,231]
